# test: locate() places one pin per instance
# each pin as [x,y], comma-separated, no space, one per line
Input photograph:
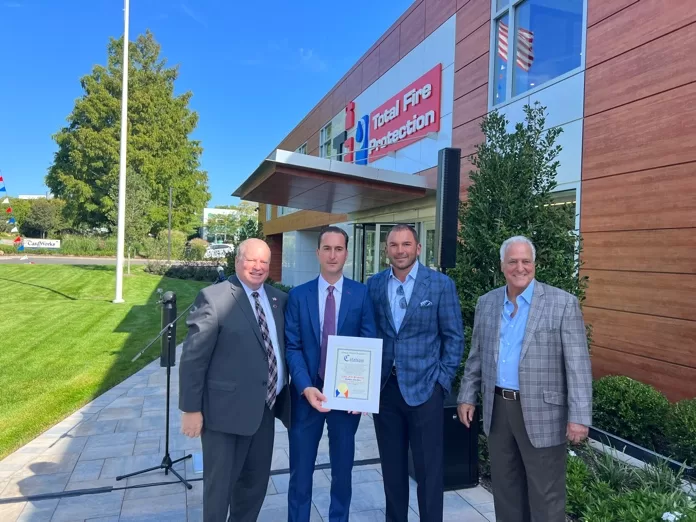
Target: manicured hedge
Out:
[641,414]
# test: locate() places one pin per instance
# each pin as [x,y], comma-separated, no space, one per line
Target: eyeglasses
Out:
[402,302]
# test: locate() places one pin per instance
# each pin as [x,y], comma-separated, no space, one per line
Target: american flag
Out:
[525,53]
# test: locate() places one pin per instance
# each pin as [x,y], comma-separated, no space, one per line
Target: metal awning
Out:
[295,180]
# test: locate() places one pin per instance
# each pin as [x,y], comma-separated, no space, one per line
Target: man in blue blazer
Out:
[420,322]
[328,305]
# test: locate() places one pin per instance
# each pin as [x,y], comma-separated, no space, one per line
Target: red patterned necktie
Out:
[272,363]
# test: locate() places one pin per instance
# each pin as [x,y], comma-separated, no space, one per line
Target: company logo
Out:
[400,121]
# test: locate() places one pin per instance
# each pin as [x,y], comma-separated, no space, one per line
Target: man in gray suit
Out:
[233,384]
[530,361]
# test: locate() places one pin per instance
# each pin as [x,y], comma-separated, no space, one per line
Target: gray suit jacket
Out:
[223,370]
[555,373]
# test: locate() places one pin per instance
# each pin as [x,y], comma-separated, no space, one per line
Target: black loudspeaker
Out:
[447,206]
[168,352]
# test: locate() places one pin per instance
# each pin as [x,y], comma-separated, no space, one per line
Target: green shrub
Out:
[194,271]
[195,251]
[88,245]
[178,243]
[151,248]
[640,505]
[577,480]
[631,410]
[680,432]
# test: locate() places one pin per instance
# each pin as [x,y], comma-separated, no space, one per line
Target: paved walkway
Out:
[123,431]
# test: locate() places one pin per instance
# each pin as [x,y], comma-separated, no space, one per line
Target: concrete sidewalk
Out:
[123,431]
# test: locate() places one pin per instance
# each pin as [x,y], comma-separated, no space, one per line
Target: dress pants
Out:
[236,470]
[305,433]
[528,482]
[397,425]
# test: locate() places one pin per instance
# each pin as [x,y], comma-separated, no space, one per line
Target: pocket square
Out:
[425,304]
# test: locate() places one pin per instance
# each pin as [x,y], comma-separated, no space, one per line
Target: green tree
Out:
[20,211]
[511,195]
[44,217]
[249,229]
[138,198]
[86,166]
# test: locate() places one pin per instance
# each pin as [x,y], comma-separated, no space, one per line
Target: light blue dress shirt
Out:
[270,321]
[395,295]
[323,294]
[511,337]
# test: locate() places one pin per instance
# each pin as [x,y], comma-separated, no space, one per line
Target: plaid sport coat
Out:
[555,373]
[428,347]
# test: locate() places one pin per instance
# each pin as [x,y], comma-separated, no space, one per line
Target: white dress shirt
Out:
[323,294]
[270,321]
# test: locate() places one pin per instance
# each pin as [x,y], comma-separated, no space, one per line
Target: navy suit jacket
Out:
[428,347]
[302,332]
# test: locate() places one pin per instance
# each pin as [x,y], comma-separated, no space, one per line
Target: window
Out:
[268,212]
[548,44]
[302,149]
[325,141]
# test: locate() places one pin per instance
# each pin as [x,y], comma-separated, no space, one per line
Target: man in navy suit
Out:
[328,305]
[420,323]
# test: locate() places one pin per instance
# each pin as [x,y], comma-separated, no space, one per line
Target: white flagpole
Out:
[120,253]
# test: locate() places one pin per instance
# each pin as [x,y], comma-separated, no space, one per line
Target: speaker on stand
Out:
[447,207]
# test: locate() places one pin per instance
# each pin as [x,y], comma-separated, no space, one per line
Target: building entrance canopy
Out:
[295,180]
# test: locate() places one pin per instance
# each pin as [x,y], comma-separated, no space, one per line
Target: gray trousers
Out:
[528,482]
[236,470]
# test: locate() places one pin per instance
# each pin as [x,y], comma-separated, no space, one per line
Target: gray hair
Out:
[516,239]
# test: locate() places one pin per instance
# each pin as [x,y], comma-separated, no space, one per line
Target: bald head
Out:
[252,262]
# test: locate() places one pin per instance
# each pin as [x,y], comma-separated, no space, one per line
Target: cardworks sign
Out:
[400,121]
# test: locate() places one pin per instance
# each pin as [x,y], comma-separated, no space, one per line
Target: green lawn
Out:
[63,342]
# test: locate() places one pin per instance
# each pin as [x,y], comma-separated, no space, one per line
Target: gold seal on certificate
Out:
[353,373]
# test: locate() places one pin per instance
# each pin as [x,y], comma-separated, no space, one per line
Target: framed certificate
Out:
[353,374]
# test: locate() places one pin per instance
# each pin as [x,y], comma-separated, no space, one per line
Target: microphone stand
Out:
[168,359]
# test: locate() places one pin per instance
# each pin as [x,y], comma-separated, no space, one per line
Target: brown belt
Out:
[510,395]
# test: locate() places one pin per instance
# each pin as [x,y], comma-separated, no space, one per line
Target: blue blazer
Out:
[430,344]
[302,332]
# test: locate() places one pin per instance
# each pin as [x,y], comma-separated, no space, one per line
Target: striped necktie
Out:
[272,363]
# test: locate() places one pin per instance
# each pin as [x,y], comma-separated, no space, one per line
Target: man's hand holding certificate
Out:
[353,373]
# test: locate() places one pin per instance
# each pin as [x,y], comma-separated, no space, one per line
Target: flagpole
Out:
[120,252]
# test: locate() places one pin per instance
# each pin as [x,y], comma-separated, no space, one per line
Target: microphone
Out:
[221,275]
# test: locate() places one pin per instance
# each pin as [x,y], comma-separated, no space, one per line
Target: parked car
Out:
[217,251]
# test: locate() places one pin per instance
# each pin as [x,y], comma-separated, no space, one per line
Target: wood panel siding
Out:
[663,295]
[412,30]
[471,16]
[598,11]
[638,203]
[645,200]
[304,220]
[619,33]
[472,47]
[655,67]
[275,243]
[675,381]
[437,12]
[660,251]
[649,133]
[471,77]
[651,336]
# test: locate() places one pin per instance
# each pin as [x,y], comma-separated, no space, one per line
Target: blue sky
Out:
[254,70]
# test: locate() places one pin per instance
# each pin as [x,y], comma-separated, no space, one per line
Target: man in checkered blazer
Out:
[529,359]
[420,322]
